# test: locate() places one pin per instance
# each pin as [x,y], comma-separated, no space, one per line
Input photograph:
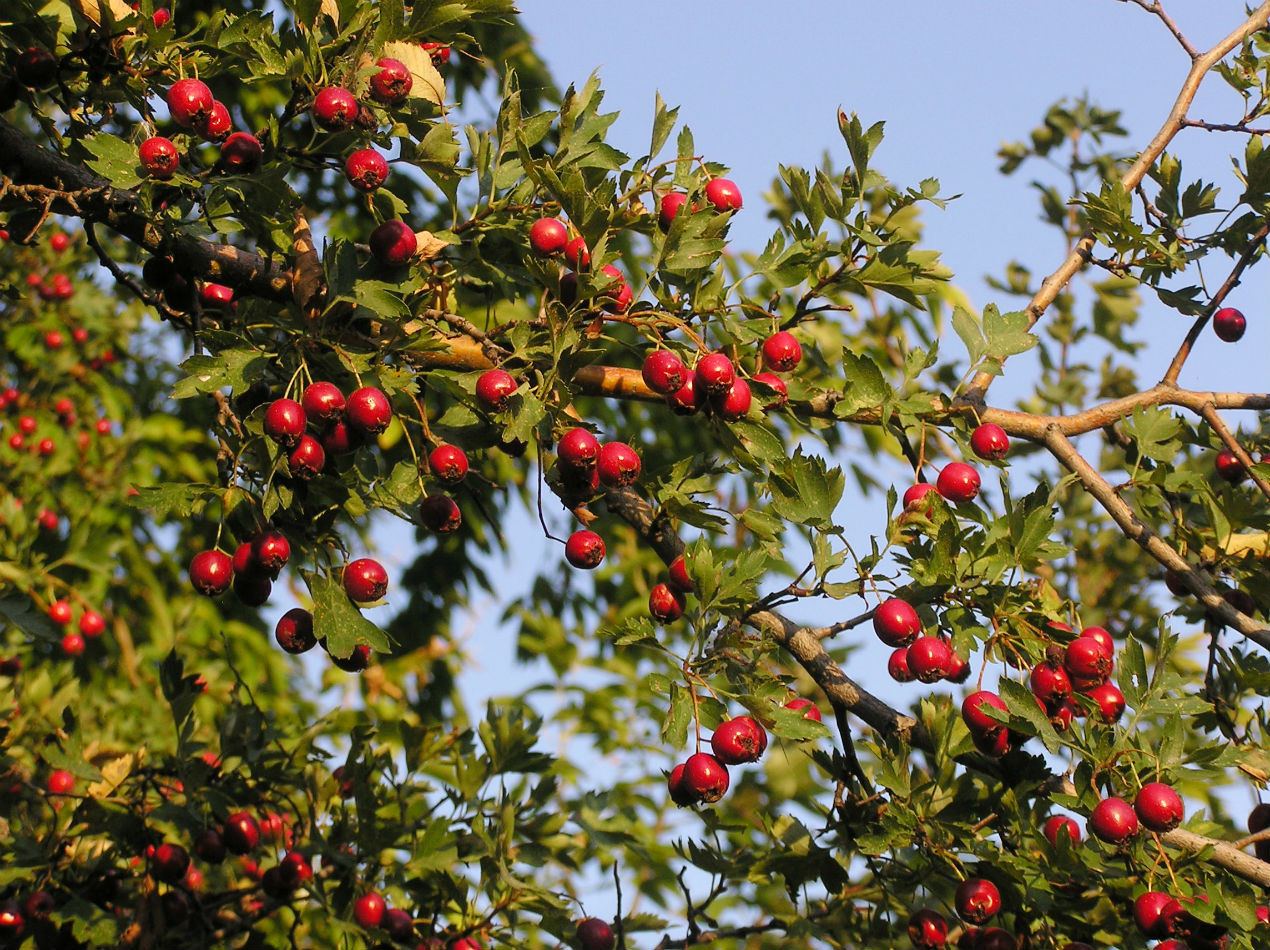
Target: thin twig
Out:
[1228,439]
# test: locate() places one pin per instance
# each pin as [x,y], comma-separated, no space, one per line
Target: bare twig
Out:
[1157,8]
[1228,439]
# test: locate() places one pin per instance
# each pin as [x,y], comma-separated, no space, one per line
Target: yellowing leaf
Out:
[114,772]
[428,83]
[92,9]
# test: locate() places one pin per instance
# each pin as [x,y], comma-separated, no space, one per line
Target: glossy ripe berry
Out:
[365,580]
[1228,467]
[929,658]
[958,482]
[915,496]
[618,295]
[209,846]
[679,577]
[335,109]
[242,153]
[705,776]
[1109,699]
[896,622]
[978,900]
[739,740]
[190,102]
[398,924]
[810,709]
[723,194]
[665,604]
[1113,820]
[578,451]
[169,863]
[897,666]
[307,459]
[241,833]
[595,934]
[690,397]
[215,296]
[664,372]
[323,402]
[92,624]
[782,352]
[217,124]
[1229,324]
[1159,807]
[60,612]
[60,782]
[73,644]
[294,631]
[1155,912]
[1050,684]
[368,410]
[577,256]
[1087,662]
[393,243]
[369,910]
[12,923]
[669,207]
[392,84]
[584,549]
[285,421]
[211,572]
[494,390]
[548,237]
[774,382]
[715,373]
[734,405]
[928,930]
[680,793]
[271,550]
[448,463]
[440,514]
[619,465]
[1103,637]
[366,169]
[159,157]
[1057,825]
[974,712]
[989,441]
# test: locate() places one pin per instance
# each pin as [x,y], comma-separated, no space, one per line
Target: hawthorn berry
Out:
[335,109]
[974,712]
[215,296]
[307,459]
[294,631]
[665,604]
[35,67]
[669,207]
[578,450]
[1057,825]
[1109,699]
[440,514]
[1087,662]
[915,496]
[60,782]
[366,169]
[577,256]
[735,404]
[91,623]
[595,934]
[619,465]
[211,572]
[60,612]
[680,793]
[928,929]
[241,833]
[73,644]
[929,658]
[989,441]
[216,125]
[705,776]
[1155,912]
[365,580]
[678,574]
[392,84]
[252,589]
[548,237]
[1113,820]
[584,549]
[1159,807]
[169,863]
[159,157]
[393,243]
[242,153]
[190,102]
[723,194]
[285,421]
[689,397]
[448,463]
[897,666]
[369,910]
[958,482]
[978,900]
[715,373]
[1050,684]
[398,924]
[739,740]
[775,383]
[1228,466]
[494,389]
[896,622]
[810,709]
[663,372]
[782,352]
[368,410]
[323,402]
[1229,324]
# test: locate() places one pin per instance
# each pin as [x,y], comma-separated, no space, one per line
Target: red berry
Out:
[285,421]
[1154,912]
[60,782]
[1110,701]
[595,934]
[398,924]
[440,514]
[735,404]
[680,793]
[241,833]
[810,709]
[391,85]
[974,711]
[323,402]
[1103,637]
[60,612]
[989,441]
[1113,820]
[393,243]
[715,373]
[271,551]
[211,572]
[1087,662]
[242,153]
[190,102]
[897,666]
[723,194]
[668,207]
[365,580]
[928,930]
[978,900]
[369,910]
[577,255]
[548,237]
[773,382]
[664,372]
[216,124]
[739,740]
[366,169]
[159,157]
[307,458]
[705,776]
[1159,807]
[35,67]
[252,589]
[578,451]
[1229,467]
[929,658]
[1050,684]
[896,622]
[368,410]
[294,631]
[1061,824]
[448,463]
[619,465]
[215,296]
[584,549]
[689,397]
[92,624]
[169,863]
[915,496]
[494,389]
[618,295]
[355,662]
[781,352]
[680,578]
[73,644]
[1229,324]
[665,604]
[958,482]
[335,109]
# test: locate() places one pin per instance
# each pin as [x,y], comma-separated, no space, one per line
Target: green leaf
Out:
[338,621]
[674,728]
[1007,333]
[806,491]
[114,159]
